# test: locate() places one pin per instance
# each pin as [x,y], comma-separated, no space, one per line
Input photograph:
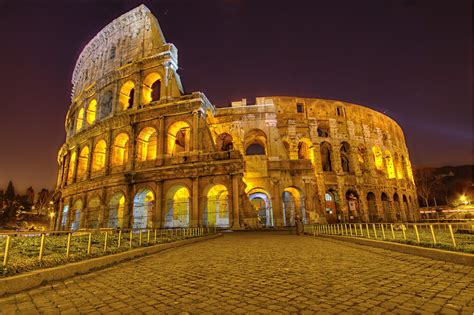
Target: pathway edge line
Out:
[15,284]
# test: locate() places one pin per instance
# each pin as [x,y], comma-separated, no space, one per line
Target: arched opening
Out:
[120,150]
[143,205]
[293,206]
[179,138]
[305,150]
[372,207]
[127,95]
[98,157]
[326,155]
[398,209]
[106,104]
[146,144]
[261,203]
[151,88]
[217,209]
[386,208]
[72,166]
[82,164]
[323,129]
[378,158]
[80,120]
[91,112]
[76,215]
[352,199]
[389,162]
[345,157]
[64,219]
[177,207]
[255,142]
[224,142]
[116,211]
[93,213]
[331,200]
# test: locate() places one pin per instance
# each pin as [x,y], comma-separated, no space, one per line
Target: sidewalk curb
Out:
[15,284]
[433,253]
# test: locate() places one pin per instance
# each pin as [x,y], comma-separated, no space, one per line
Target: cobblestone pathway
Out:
[260,273]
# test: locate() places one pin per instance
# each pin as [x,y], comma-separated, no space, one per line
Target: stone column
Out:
[235,202]
[277,203]
[195,131]
[162,135]
[84,213]
[75,166]
[89,160]
[108,153]
[309,191]
[133,143]
[195,203]
[103,215]
[159,209]
[128,209]
[166,91]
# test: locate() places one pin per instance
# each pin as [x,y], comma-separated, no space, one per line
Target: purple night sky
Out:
[410,59]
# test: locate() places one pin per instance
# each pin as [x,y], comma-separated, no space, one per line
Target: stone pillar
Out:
[133,143]
[161,145]
[103,213]
[159,208]
[195,131]
[277,203]
[165,92]
[235,202]
[84,213]
[309,191]
[75,166]
[109,153]
[128,209]
[195,203]
[89,160]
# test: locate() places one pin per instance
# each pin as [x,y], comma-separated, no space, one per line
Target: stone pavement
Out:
[260,273]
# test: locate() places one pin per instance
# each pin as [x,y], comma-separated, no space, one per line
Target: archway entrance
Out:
[116,210]
[177,207]
[332,214]
[386,208]
[293,206]
[398,210]
[261,202]
[217,207]
[143,209]
[353,205]
[372,205]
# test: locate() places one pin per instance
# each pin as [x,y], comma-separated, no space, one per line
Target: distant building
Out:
[140,152]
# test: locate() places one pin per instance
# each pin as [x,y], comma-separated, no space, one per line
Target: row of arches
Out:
[150,92]
[175,212]
[178,141]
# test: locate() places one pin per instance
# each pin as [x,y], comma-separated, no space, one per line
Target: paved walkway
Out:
[260,273]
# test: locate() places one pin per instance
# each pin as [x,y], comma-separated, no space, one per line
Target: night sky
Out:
[409,59]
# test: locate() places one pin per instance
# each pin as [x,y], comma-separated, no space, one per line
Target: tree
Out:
[426,183]
[10,192]
[44,197]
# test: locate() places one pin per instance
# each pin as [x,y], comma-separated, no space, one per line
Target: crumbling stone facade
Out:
[140,152]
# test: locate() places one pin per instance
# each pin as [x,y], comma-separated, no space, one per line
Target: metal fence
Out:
[451,236]
[24,251]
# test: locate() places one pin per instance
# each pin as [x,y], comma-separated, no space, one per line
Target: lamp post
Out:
[51,220]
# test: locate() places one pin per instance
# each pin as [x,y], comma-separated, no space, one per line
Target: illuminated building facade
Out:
[140,152]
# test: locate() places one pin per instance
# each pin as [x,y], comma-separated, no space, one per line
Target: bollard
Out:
[148,238]
[452,235]
[119,238]
[417,235]
[40,257]
[105,240]
[361,231]
[375,231]
[393,233]
[368,232]
[155,238]
[131,239]
[404,233]
[89,242]
[350,229]
[140,239]
[7,251]
[345,228]
[433,234]
[383,231]
[68,246]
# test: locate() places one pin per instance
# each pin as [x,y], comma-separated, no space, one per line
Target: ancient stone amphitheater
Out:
[141,152]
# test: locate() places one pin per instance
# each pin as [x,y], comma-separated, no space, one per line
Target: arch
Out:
[255,142]
[326,156]
[378,158]
[224,142]
[120,150]
[76,215]
[261,201]
[398,209]
[72,166]
[389,163]
[82,163]
[146,144]
[127,95]
[352,198]
[179,138]
[331,200]
[93,212]
[143,205]
[305,150]
[323,129]
[345,157]
[217,207]
[293,206]
[177,207]
[386,207]
[116,210]
[372,207]
[80,120]
[151,88]
[91,112]
[98,157]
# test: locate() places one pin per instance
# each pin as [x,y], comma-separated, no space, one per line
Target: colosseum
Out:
[141,152]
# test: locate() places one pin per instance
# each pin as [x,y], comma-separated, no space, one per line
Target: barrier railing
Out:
[451,236]
[24,251]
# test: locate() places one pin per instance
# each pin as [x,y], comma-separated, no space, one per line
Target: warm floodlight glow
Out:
[146,144]
[91,112]
[389,163]
[80,120]
[120,150]
[378,158]
[98,158]
[151,88]
[126,96]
